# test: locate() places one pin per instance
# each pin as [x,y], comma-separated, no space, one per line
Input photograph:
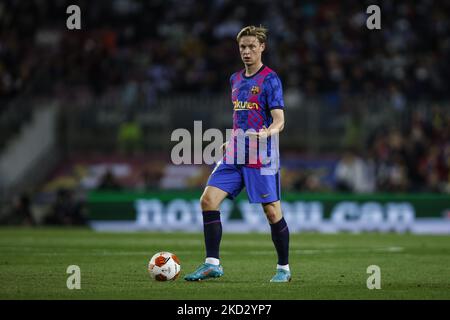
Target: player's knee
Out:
[207,203]
[272,213]
[271,217]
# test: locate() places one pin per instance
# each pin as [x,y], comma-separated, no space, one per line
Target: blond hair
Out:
[259,32]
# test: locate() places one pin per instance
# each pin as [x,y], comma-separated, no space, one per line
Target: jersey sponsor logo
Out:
[255,90]
[245,105]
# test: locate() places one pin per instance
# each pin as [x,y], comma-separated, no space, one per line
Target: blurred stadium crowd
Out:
[173,46]
[136,51]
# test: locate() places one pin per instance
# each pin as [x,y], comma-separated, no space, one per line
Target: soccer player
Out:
[257,98]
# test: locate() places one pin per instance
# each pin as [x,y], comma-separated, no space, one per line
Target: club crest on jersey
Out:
[255,90]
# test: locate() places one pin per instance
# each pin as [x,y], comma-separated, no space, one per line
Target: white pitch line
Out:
[322,251]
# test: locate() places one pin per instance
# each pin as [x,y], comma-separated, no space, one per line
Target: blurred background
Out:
[81,111]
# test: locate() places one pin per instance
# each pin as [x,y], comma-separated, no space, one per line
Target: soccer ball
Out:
[164,266]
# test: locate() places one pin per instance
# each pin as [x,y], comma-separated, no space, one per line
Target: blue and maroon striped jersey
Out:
[253,98]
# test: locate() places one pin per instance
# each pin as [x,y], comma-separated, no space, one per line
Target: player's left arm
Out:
[278,122]
[275,103]
[275,128]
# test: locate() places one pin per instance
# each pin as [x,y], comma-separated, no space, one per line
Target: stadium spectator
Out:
[109,182]
[130,137]
[66,210]
[151,177]
[353,174]
[21,211]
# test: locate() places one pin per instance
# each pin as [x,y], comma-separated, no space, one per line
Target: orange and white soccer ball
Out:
[164,266]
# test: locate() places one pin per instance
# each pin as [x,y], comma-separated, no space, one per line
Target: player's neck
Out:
[252,69]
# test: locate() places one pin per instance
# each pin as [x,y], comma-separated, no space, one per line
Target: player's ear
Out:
[263,47]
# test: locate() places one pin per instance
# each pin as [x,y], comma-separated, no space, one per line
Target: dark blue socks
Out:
[280,238]
[212,229]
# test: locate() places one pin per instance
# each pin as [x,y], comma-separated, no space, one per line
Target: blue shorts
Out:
[232,178]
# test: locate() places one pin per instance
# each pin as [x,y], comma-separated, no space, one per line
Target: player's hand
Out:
[262,133]
[224,147]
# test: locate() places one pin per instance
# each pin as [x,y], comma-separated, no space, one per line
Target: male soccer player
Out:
[258,104]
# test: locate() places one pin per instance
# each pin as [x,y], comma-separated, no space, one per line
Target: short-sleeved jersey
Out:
[253,98]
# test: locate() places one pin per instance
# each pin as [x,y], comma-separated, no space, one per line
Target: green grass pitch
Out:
[33,265]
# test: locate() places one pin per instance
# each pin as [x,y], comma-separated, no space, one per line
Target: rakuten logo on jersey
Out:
[245,105]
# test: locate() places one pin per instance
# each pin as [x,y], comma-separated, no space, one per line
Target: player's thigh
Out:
[261,188]
[227,178]
[212,197]
[273,211]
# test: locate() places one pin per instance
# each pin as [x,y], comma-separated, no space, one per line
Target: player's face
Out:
[251,50]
